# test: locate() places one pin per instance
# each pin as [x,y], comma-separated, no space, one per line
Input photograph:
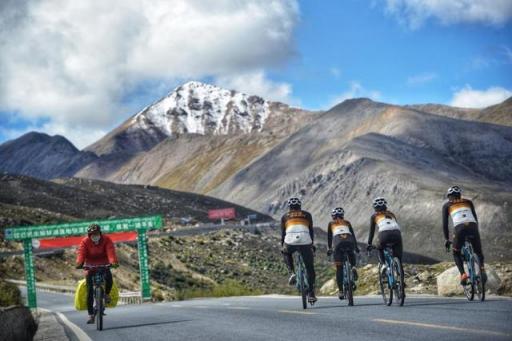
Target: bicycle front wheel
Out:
[386,292]
[469,287]
[348,283]
[99,308]
[477,279]
[398,274]
[303,290]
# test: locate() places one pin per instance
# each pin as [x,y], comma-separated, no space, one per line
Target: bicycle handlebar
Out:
[92,267]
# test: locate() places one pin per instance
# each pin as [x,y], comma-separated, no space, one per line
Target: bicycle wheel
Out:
[348,283]
[399,288]
[303,289]
[99,308]
[477,280]
[469,288]
[387,294]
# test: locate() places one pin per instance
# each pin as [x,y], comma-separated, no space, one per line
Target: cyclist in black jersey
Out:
[297,235]
[340,232]
[465,224]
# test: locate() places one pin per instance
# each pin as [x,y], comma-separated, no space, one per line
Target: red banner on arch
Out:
[64,242]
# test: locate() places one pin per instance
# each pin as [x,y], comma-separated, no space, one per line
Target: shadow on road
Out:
[344,305]
[146,324]
[414,304]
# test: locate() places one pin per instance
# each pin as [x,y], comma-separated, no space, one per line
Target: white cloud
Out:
[256,83]
[469,98]
[508,53]
[415,12]
[74,62]
[421,78]
[355,90]
[335,72]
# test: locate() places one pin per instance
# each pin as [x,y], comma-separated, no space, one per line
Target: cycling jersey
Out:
[340,227]
[460,211]
[96,254]
[297,228]
[385,221]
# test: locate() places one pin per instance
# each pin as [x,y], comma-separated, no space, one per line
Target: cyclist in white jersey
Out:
[465,224]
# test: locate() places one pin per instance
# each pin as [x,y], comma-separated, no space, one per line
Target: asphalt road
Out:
[282,318]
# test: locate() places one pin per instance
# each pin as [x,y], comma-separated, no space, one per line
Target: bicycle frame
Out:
[98,288]
[300,271]
[389,262]
[467,251]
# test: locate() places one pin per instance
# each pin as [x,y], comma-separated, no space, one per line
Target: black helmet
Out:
[93,228]
[454,191]
[294,202]
[338,212]
[379,203]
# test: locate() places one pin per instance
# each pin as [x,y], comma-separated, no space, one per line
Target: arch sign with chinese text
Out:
[29,233]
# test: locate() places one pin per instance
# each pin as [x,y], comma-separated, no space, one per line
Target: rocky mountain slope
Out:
[361,149]
[196,125]
[92,199]
[498,114]
[196,162]
[192,108]
[42,156]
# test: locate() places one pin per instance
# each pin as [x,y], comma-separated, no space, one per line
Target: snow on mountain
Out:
[198,108]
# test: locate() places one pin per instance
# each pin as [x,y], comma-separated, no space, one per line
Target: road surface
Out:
[282,318]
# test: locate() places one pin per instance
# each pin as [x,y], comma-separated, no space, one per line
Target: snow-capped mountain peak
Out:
[200,108]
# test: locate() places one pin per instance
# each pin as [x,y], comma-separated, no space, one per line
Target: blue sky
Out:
[340,42]
[96,67]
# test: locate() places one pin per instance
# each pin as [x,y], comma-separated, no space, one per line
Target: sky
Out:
[80,68]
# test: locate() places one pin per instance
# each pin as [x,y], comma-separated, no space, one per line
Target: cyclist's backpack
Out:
[81,295]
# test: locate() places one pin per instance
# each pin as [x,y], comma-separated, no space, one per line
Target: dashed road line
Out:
[439,326]
[297,312]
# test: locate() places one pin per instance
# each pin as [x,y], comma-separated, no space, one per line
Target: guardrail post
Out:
[145,288]
[30,277]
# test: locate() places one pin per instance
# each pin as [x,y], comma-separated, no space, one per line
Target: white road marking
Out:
[297,312]
[439,326]
[79,333]
[239,308]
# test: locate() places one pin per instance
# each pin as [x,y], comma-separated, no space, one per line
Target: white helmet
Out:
[338,212]
[294,201]
[379,202]
[454,190]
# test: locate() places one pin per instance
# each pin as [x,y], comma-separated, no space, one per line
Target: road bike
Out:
[301,279]
[474,283]
[348,277]
[98,284]
[392,283]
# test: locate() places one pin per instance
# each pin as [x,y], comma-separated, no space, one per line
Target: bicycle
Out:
[348,280]
[301,279]
[395,285]
[474,283]
[98,282]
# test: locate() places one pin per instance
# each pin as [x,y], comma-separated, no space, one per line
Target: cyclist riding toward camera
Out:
[96,249]
[465,224]
[341,233]
[388,232]
[297,235]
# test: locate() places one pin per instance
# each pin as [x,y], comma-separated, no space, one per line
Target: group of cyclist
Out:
[297,235]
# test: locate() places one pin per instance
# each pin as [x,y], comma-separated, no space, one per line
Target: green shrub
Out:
[9,294]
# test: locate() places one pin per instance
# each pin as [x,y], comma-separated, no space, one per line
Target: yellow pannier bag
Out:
[81,295]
